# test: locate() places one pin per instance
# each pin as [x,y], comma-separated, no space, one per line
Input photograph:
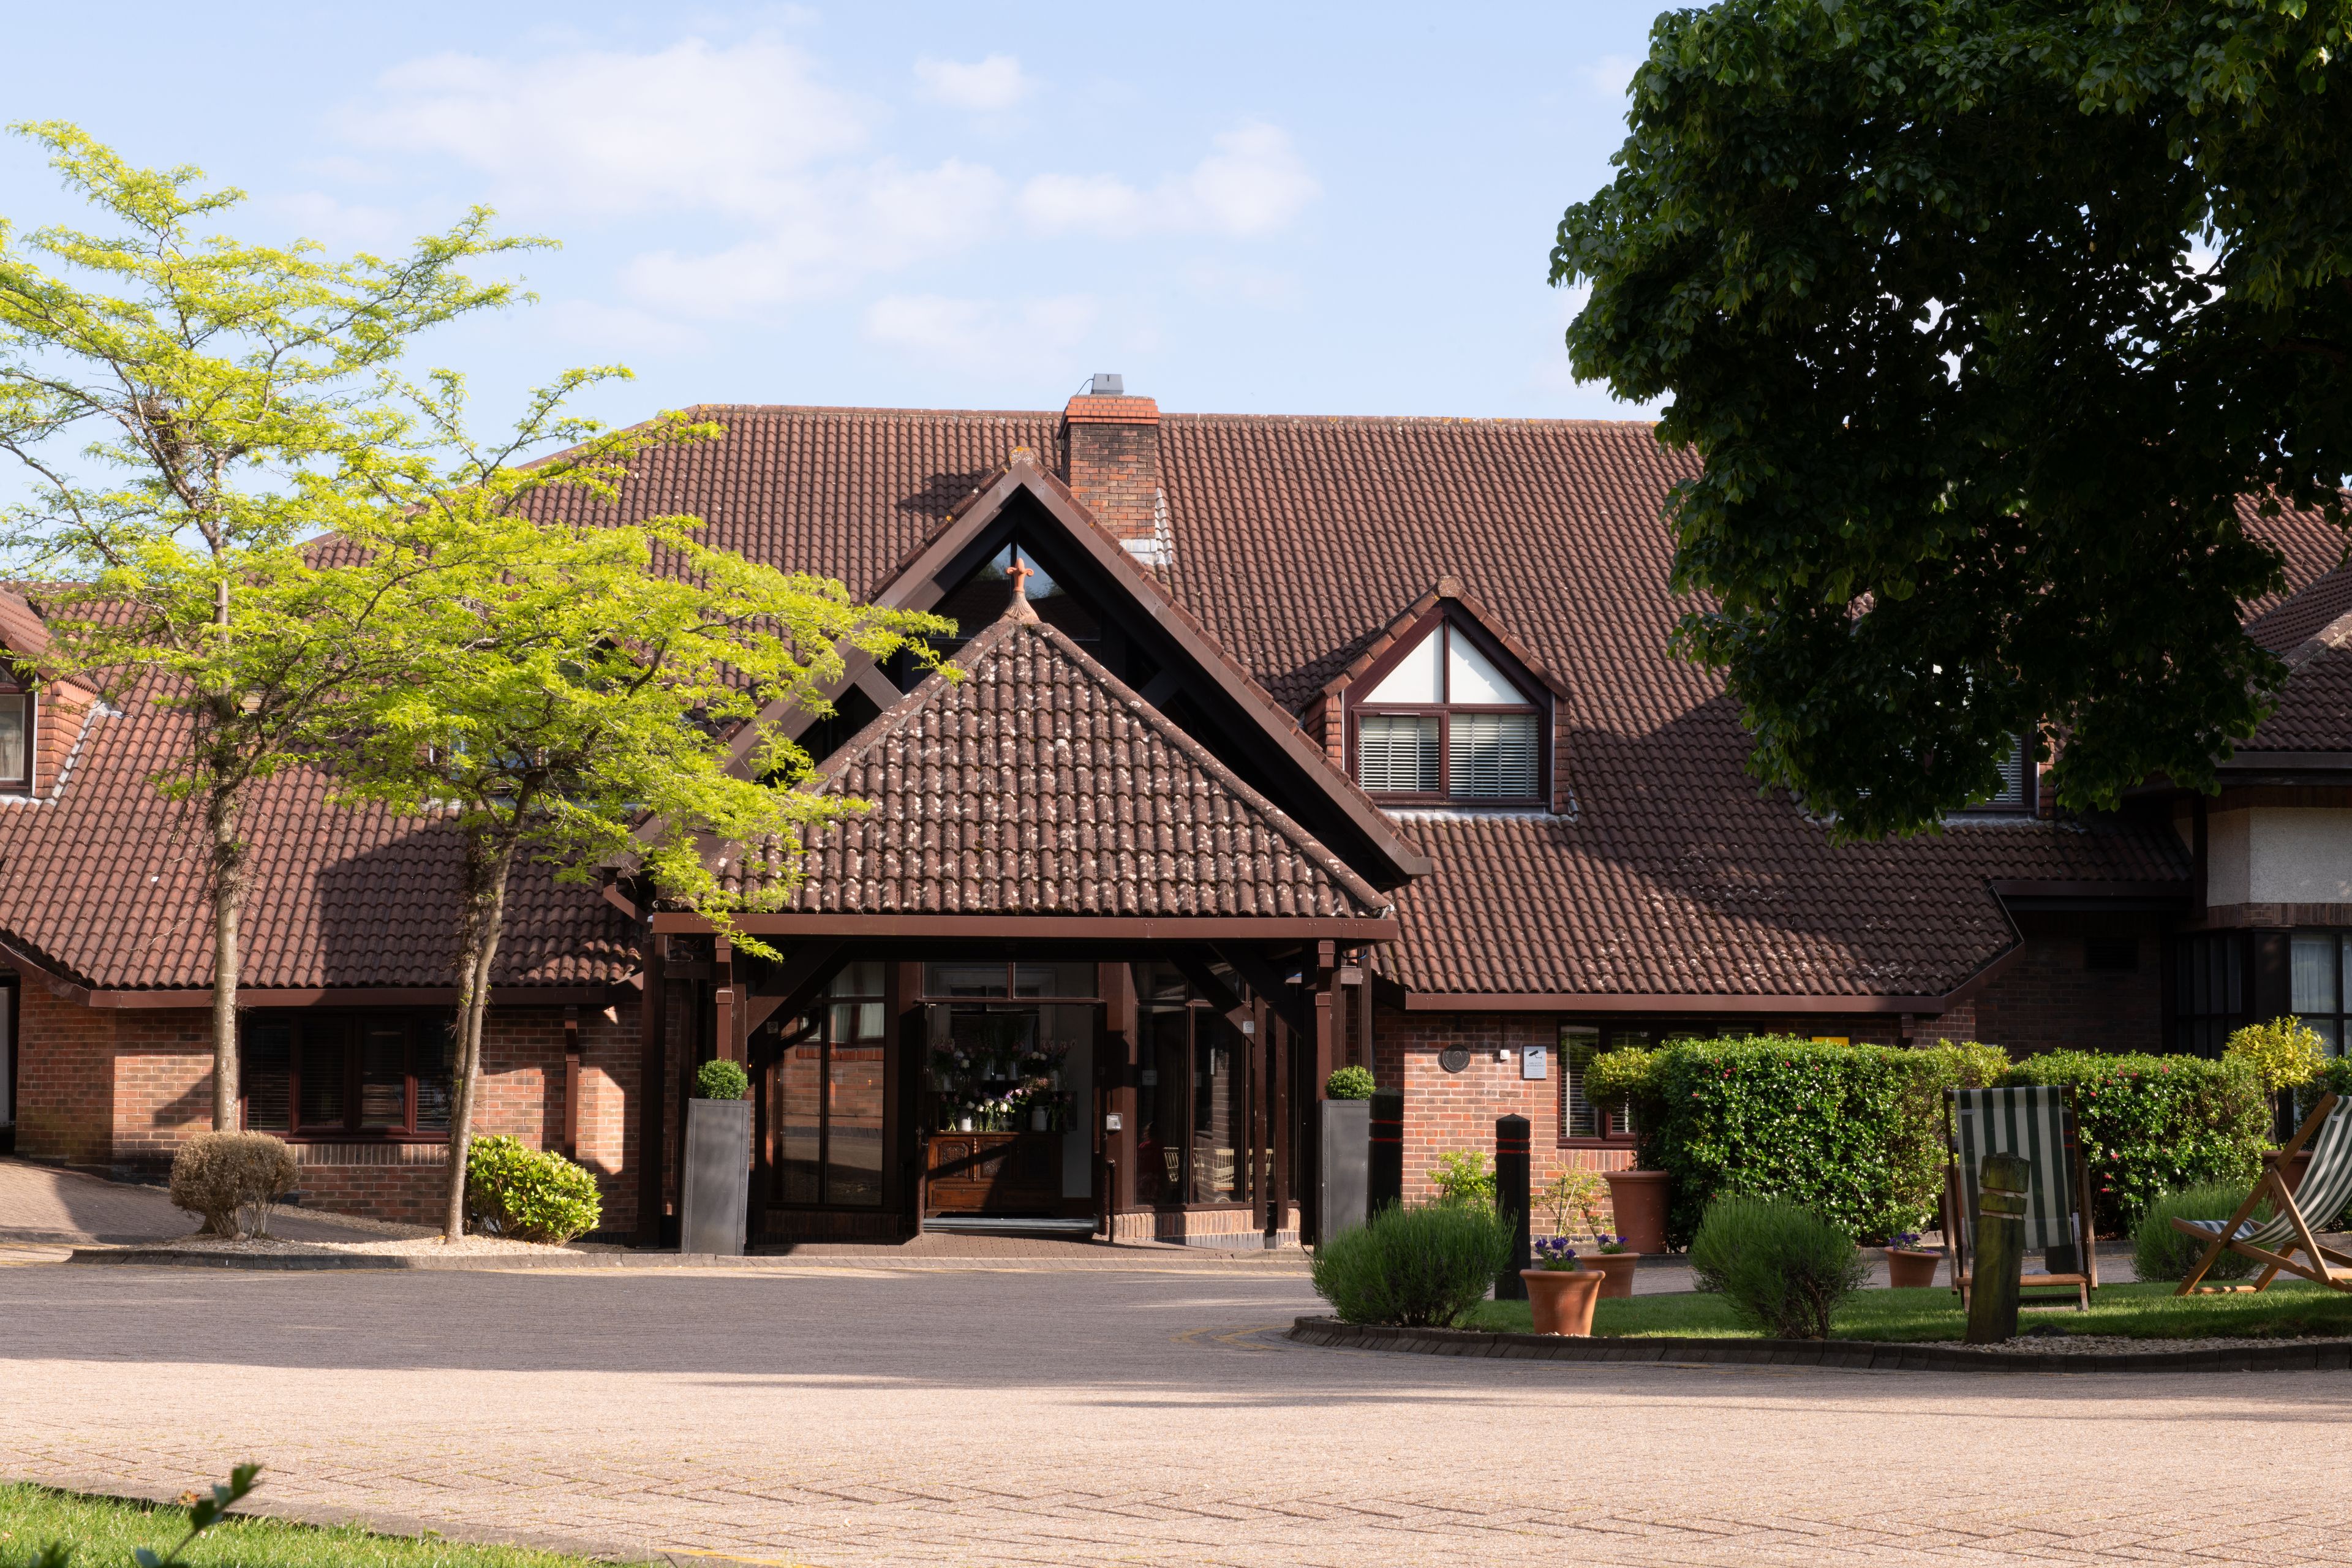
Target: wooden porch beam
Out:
[792,986]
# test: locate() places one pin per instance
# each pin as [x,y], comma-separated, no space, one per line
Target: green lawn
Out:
[103,1531]
[2141,1312]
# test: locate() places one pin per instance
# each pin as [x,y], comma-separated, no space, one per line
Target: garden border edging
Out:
[1857,1355]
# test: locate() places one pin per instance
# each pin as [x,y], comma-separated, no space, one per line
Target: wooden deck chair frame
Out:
[2326,1265]
[1961,1238]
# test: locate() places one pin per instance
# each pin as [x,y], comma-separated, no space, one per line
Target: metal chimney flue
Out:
[1108,384]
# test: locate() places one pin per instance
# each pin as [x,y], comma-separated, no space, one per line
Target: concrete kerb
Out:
[1154,1262]
[1856,1355]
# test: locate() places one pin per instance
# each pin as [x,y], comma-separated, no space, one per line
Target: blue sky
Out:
[1242,208]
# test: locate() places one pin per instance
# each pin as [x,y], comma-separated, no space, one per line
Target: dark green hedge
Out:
[2153,1125]
[1853,1132]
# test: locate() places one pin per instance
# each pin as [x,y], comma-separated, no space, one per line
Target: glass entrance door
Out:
[829,1096]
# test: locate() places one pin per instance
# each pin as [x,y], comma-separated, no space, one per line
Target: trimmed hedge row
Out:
[1856,1132]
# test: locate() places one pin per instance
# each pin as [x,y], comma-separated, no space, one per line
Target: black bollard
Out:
[1511,1199]
[2002,1184]
[1384,1178]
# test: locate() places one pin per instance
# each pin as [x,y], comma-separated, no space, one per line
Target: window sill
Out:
[1613,1142]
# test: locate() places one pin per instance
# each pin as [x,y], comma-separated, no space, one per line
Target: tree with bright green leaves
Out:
[586,698]
[188,409]
[1990,322]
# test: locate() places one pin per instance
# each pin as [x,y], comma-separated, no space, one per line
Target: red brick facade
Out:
[2051,999]
[1112,462]
[117,1089]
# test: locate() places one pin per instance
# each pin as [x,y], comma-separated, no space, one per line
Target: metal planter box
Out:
[716,1202]
[1345,1169]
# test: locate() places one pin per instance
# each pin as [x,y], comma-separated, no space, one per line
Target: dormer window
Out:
[2019,778]
[1443,722]
[16,743]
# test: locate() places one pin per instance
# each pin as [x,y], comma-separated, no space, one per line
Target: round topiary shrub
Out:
[722,1080]
[228,1177]
[1349,1083]
[1781,1267]
[2160,1252]
[1414,1268]
[528,1195]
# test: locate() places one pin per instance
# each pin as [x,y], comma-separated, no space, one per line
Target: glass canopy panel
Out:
[1414,680]
[1471,677]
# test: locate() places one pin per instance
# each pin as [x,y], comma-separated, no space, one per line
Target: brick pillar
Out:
[1110,458]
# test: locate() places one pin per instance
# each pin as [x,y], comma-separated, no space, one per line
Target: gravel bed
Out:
[2126,1344]
[417,1243]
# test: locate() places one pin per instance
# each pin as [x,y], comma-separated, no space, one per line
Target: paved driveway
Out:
[843,1416]
[41,1205]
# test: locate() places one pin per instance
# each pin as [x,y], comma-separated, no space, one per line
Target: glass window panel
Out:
[2330,1032]
[1493,757]
[1053,980]
[384,1077]
[15,738]
[863,979]
[2232,997]
[265,1067]
[1578,1046]
[1220,1123]
[322,1075]
[2312,968]
[964,979]
[1161,983]
[852,1141]
[1471,677]
[800,1089]
[436,1055]
[1159,1106]
[1414,681]
[1397,753]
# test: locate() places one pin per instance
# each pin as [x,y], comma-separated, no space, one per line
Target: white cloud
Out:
[824,234]
[984,334]
[1253,183]
[616,328]
[604,133]
[984,86]
[1612,76]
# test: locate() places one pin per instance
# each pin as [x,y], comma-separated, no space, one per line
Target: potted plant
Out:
[1559,1293]
[1909,1266]
[715,1200]
[1613,1261]
[1578,1192]
[1637,1198]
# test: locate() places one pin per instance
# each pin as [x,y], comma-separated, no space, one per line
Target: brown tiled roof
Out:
[2314,712]
[104,885]
[1039,783]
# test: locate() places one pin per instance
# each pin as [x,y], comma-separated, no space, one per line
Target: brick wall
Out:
[2048,1000]
[65,1078]
[121,1088]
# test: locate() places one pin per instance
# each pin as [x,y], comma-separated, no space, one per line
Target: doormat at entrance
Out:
[1853,1355]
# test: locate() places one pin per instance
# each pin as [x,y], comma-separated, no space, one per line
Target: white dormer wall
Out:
[2279,855]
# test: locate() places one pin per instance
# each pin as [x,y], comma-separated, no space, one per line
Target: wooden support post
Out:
[2001,1248]
[572,1083]
[653,1072]
[724,1045]
[1280,1070]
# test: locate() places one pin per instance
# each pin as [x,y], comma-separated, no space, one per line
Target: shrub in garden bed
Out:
[1855,1133]
[1414,1268]
[2156,1124]
[232,1179]
[2160,1252]
[1783,1269]
[528,1194]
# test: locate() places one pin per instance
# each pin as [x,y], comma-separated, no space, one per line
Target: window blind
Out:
[1397,753]
[1494,756]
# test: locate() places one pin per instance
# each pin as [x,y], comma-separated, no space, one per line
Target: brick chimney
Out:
[1110,459]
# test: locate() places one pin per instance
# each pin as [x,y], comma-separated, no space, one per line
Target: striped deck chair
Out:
[2036,1122]
[2325,1188]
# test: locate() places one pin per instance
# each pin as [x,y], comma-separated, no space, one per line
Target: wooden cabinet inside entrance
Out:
[995,1174]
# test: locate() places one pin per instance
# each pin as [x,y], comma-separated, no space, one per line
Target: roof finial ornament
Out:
[1019,609]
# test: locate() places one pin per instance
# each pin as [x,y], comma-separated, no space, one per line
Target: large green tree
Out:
[583,696]
[186,407]
[1992,322]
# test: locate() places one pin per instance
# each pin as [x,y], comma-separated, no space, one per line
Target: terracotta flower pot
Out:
[1639,1200]
[1560,1300]
[1616,1271]
[1908,1268]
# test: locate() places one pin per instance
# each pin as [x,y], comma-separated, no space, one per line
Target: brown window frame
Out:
[1359,707]
[24,785]
[422,1029]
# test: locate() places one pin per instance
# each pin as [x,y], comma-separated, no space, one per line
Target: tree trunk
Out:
[227,855]
[489,857]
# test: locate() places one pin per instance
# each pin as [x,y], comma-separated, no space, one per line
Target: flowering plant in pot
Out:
[1909,1266]
[1637,1198]
[1614,1261]
[1560,1291]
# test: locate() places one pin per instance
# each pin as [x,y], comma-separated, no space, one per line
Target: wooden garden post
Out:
[2002,1183]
